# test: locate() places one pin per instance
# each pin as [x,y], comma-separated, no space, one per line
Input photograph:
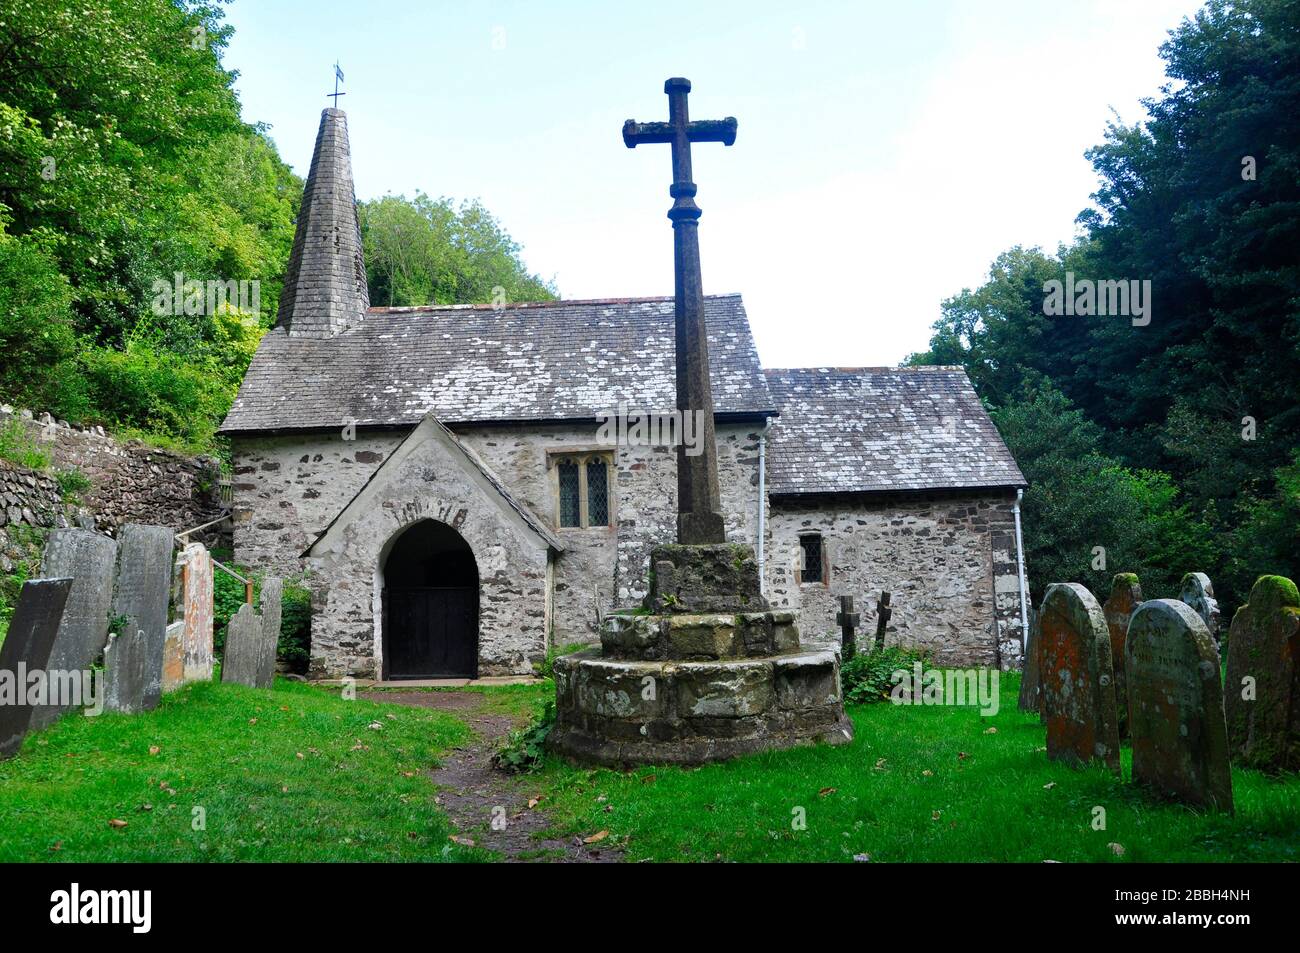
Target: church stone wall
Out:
[605,568]
[948,560]
[287,490]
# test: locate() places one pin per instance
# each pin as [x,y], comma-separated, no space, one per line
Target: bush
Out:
[72,483]
[546,669]
[295,628]
[523,749]
[869,677]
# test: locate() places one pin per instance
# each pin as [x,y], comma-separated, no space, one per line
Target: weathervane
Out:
[338,78]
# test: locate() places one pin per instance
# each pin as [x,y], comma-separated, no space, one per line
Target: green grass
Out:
[294,774]
[1004,801]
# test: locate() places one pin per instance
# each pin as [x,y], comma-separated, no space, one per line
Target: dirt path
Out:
[473,792]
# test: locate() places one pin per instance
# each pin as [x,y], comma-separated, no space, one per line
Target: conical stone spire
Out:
[325,285]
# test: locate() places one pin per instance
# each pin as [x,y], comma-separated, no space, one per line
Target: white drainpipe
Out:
[762,508]
[1020,571]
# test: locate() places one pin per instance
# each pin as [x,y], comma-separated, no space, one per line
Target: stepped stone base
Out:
[620,712]
[705,671]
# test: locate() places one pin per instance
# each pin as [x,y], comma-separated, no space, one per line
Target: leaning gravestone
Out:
[32,633]
[125,671]
[1125,596]
[87,559]
[1076,678]
[1030,694]
[243,648]
[1180,740]
[1262,691]
[144,572]
[173,670]
[272,592]
[1197,591]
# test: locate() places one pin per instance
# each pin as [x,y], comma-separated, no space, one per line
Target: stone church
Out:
[440,478]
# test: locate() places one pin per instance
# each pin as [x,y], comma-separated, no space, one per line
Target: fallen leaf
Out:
[56,846]
[301,755]
[154,749]
[1049,785]
[463,841]
[880,764]
[927,773]
[117,822]
[990,731]
[596,838]
[934,815]
[962,755]
[862,858]
[252,721]
[1116,849]
[533,802]
[825,791]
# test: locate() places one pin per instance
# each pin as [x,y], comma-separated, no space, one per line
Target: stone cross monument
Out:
[699,512]
[705,669]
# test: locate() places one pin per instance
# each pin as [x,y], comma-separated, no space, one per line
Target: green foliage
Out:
[525,747]
[72,483]
[295,628]
[868,676]
[427,251]
[1143,450]
[17,446]
[546,669]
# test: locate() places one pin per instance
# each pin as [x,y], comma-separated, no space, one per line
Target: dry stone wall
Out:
[130,482]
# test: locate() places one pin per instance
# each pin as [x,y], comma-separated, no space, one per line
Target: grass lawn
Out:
[294,774]
[917,784]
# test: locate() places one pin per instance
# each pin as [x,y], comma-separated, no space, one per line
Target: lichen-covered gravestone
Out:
[194,601]
[1031,697]
[1125,596]
[143,592]
[1198,592]
[87,558]
[243,648]
[173,671]
[1076,678]
[26,649]
[1180,740]
[272,592]
[1262,691]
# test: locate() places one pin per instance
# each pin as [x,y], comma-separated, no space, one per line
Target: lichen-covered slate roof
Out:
[855,430]
[470,363]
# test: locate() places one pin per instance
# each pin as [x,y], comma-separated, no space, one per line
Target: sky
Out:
[886,153]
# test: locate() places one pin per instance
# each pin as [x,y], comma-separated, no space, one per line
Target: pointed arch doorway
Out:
[430,604]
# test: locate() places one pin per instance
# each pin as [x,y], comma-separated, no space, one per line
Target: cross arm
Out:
[702,130]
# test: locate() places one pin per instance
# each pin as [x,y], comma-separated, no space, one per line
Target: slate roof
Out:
[472,364]
[857,430]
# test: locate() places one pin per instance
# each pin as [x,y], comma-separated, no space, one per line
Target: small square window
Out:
[810,559]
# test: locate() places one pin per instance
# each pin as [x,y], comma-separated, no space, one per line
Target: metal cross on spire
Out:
[699,509]
[338,78]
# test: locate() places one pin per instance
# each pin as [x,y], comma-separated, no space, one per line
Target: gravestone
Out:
[847,620]
[272,591]
[144,572]
[194,599]
[173,670]
[1262,691]
[243,648]
[126,672]
[1031,696]
[1077,679]
[1180,739]
[1125,597]
[33,630]
[883,615]
[1198,592]
[87,559]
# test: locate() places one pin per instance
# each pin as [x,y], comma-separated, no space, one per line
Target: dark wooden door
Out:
[431,632]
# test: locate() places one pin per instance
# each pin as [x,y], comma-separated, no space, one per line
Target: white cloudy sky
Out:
[887,151]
